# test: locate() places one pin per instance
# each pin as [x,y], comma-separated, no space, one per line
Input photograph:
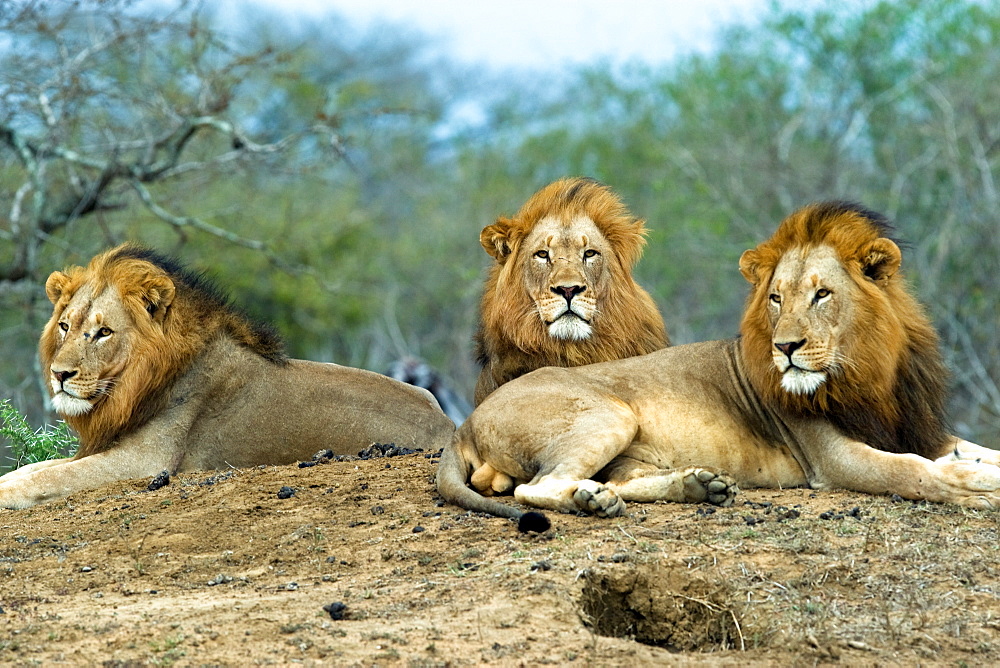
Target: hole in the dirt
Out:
[659,605]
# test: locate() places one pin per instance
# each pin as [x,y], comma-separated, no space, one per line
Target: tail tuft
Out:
[532,521]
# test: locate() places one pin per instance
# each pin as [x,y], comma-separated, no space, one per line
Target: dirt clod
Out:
[661,605]
[376,450]
[161,480]
[337,610]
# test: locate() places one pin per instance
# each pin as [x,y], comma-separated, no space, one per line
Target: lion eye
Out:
[589,253]
[822,293]
[542,254]
[64,326]
[775,298]
[103,331]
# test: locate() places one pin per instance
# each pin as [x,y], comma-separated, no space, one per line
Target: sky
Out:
[549,33]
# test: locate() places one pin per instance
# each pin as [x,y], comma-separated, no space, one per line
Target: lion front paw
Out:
[716,488]
[593,497]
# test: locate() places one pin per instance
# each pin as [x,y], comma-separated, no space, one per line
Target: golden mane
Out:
[174,314]
[892,394]
[512,336]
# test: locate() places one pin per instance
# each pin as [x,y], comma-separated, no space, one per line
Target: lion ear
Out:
[750,266]
[157,294]
[496,238]
[880,260]
[55,285]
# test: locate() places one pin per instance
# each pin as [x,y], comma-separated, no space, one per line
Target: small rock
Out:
[86,569]
[542,566]
[286,492]
[377,510]
[418,529]
[305,465]
[291,586]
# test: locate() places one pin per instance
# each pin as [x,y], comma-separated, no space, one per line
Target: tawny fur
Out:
[512,340]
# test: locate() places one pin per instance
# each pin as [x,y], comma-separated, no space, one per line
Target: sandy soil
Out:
[363,565]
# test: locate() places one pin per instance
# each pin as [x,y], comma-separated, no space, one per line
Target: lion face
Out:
[91,335]
[561,292]
[565,274]
[94,328]
[808,307]
[819,307]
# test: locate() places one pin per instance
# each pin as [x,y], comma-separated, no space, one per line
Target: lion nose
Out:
[790,347]
[569,291]
[63,376]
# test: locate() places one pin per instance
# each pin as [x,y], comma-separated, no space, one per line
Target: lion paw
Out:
[716,488]
[597,499]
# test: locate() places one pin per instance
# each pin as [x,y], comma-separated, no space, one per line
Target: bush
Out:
[28,446]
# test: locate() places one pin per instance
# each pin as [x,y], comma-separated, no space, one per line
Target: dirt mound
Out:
[661,604]
[362,565]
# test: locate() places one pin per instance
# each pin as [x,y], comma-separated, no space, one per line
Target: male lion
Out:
[561,291]
[836,381]
[155,371]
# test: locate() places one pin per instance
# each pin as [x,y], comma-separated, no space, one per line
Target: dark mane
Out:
[201,291]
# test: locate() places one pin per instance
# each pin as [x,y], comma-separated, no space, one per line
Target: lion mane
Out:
[892,396]
[512,340]
[150,284]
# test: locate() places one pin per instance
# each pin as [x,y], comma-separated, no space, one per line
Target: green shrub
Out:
[28,445]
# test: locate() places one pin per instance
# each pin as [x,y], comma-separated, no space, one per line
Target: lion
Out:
[155,370]
[561,292]
[835,382]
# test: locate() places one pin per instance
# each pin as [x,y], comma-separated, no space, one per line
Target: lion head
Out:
[122,330]
[561,292]
[831,329]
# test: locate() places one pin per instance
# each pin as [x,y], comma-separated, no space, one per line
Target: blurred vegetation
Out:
[335,180]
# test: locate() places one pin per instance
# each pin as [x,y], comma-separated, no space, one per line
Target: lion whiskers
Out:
[104,387]
[842,361]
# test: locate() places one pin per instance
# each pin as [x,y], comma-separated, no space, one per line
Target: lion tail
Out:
[451,476]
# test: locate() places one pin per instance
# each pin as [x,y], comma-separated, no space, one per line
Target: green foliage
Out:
[28,446]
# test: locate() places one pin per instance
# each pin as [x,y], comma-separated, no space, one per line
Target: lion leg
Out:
[31,468]
[964,450]
[67,476]
[841,462]
[635,480]
[563,483]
